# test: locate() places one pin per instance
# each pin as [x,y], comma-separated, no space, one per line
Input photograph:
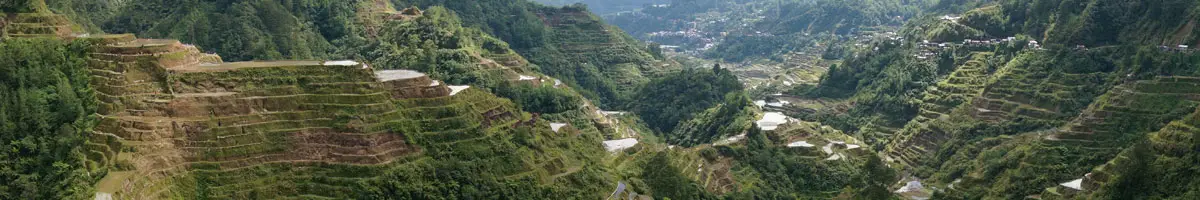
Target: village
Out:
[929,49]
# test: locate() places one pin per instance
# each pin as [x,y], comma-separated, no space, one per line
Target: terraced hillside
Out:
[130,77]
[818,162]
[35,25]
[601,61]
[333,30]
[711,175]
[919,137]
[164,114]
[476,58]
[486,57]
[1141,102]
[796,69]
[1100,22]
[1035,92]
[176,123]
[584,39]
[1131,112]
[1008,120]
[1116,121]
[802,158]
[449,99]
[1131,173]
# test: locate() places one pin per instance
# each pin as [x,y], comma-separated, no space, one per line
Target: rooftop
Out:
[1076,184]
[391,75]
[835,157]
[617,145]
[341,63]
[911,186]
[804,144]
[455,89]
[771,121]
[557,126]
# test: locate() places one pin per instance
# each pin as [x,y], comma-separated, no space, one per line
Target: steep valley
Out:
[460,99]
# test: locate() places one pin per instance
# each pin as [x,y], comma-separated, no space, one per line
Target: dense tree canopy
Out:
[664,103]
[23,6]
[240,30]
[732,116]
[540,99]
[46,108]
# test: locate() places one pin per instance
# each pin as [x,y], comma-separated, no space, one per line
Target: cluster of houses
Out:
[759,34]
[969,42]
[688,34]
[865,37]
[870,35]
[930,49]
[925,55]
[951,18]
[1177,48]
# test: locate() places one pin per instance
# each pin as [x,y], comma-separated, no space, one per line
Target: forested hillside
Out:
[45,113]
[675,104]
[569,42]
[1091,22]
[749,29]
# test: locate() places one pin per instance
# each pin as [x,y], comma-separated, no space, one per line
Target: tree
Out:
[875,179]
